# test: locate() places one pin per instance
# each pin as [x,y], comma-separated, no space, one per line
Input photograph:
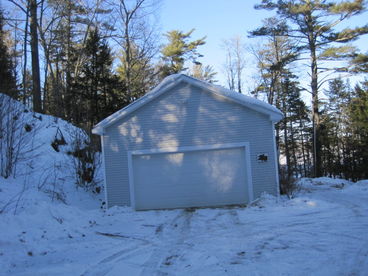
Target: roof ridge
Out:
[236,95]
[172,80]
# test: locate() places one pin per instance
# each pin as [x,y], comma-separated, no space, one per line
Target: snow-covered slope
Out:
[45,167]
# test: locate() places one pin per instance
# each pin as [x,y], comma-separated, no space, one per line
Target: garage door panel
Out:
[193,178]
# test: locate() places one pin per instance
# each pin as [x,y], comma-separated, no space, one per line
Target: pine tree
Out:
[313,24]
[178,50]
[281,88]
[344,130]
[358,116]
[7,73]
[359,64]
[63,44]
[273,60]
[140,73]
[94,89]
[205,73]
[292,141]
[334,123]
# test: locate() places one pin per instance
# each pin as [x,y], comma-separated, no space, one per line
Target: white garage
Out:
[188,143]
[193,176]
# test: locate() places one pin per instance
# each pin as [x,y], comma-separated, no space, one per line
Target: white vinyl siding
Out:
[187,116]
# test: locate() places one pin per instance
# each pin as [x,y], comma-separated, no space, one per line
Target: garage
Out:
[188,143]
[212,175]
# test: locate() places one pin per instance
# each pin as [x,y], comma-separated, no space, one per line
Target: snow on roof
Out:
[171,81]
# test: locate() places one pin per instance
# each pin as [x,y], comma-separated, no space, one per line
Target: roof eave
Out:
[98,130]
[274,115]
[165,85]
[275,118]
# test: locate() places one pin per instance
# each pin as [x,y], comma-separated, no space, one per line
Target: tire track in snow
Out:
[228,261]
[105,265]
[360,265]
[355,262]
[172,237]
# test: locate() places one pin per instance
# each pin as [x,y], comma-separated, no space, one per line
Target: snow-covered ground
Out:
[49,227]
[322,231]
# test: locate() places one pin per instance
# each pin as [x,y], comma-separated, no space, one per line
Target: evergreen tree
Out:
[281,89]
[274,58]
[94,89]
[358,116]
[141,73]
[359,64]
[313,24]
[344,131]
[293,128]
[178,50]
[65,42]
[205,73]
[7,73]
[334,123]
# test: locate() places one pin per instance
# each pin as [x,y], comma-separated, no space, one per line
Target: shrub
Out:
[288,184]
[15,136]
[59,140]
[85,159]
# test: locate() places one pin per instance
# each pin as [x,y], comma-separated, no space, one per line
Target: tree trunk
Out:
[286,142]
[25,57]
[69,103]
[303,147]
[37,106]
[315,114]
[293,149]
[128,59]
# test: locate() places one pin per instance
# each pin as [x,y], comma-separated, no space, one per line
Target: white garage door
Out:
[210,176]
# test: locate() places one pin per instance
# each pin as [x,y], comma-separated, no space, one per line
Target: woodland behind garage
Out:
[188,143]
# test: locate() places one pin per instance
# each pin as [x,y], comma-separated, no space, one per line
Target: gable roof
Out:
[171,81]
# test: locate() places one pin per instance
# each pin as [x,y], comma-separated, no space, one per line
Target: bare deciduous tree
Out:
[138,40]
[16,135]
[235,62]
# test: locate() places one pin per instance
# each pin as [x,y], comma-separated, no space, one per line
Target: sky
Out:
[216,19]
[219,20]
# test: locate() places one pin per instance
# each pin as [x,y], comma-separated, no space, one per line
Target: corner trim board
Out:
[276,160]
[249,172]
[131,180]
[104,166]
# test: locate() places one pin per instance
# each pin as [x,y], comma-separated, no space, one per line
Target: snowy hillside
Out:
[49,227]
[45,162]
